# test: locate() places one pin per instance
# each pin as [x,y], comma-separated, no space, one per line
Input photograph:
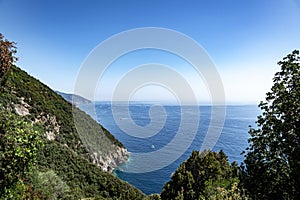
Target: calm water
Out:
[233,139]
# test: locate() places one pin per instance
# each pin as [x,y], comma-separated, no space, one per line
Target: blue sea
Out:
[146,132]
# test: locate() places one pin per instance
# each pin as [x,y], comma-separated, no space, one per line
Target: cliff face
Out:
[33,100]
[112,160]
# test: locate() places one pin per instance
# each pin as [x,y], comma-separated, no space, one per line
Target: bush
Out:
[18,148]
[50,185]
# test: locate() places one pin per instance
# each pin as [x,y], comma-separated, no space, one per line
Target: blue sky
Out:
[245,39]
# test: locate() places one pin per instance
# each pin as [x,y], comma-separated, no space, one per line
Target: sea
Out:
[148,131]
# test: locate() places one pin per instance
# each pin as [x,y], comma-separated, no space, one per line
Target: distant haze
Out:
[245,40]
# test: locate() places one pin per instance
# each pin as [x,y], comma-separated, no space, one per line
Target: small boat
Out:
[152,146]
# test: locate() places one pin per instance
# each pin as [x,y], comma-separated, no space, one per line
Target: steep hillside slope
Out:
[73,98]
[63,151]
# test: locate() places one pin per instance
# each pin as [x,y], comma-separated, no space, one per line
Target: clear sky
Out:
[245,39]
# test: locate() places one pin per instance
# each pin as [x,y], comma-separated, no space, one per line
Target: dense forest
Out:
[43,156]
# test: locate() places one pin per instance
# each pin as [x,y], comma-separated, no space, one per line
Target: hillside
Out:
[64,152]
[73,98]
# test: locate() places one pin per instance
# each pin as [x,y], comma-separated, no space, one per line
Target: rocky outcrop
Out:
[50,123]
[107,159]
[22,108]
[111,160]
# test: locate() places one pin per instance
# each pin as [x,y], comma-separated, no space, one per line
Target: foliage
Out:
[65,159]
[153,197]
[50,185]
[43,101]
[15,191]
[273,157]
[7,51]
[223,189]
[19,142]
[200,175]
[84,178]
[66,155]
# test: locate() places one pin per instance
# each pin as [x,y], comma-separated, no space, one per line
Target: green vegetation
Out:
[44,103]
[42,155]
[273,158]
[82,176]
[73,98]
[19,144]
[205,175]
[271,167]
[49,185]
[32,114]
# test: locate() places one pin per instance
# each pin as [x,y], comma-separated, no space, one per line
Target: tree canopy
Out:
[205,175]
[7,52]
[272,161]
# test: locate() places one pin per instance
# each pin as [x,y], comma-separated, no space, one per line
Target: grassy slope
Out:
[66,155]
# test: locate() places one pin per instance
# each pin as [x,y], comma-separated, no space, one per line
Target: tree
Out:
[50,185]
[7,51]
[272,161]
[18,148]
[201,176]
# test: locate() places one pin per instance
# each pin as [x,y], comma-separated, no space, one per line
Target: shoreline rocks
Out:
[112,160]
